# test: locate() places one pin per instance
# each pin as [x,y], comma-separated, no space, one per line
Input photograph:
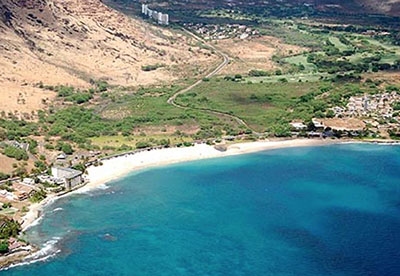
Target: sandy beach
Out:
[120,166]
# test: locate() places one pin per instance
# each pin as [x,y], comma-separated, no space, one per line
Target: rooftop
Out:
[71,172]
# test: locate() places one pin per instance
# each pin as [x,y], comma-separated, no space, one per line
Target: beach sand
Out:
[120,166]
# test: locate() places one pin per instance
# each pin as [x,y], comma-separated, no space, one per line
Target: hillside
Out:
[388,7]
[72,42]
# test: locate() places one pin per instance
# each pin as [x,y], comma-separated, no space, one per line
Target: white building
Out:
[161,18]
[70,177]
[298,126]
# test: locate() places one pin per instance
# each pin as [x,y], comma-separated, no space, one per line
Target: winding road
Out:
[218,69]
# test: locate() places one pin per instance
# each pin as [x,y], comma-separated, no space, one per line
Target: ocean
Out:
[330,210]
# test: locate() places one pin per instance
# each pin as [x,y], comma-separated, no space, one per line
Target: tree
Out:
[3,246]
[142,145]
[16,153]
[330,113]
[38,196]
[4,176]
[67,148]
[11,228]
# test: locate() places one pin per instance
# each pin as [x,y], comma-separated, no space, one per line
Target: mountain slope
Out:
[72,41]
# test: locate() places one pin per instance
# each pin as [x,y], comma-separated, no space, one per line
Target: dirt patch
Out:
[6,164]
[344,123]
[255,53]
[23,101]
[389,77]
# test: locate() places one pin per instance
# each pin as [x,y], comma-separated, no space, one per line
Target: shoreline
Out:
[113,168]
[120,166]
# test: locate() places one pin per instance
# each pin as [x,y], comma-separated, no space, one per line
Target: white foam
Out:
[35,222]
[57,209]
[89,190]
[49,250]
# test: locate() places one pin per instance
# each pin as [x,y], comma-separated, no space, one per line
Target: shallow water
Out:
[332,210]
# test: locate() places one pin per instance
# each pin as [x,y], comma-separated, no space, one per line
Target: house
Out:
[318,124]
[70,177]
[61,156]
[298,126]
[22,191]
[28,181]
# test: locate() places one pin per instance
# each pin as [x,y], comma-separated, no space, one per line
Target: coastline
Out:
[113,168]
[119,166]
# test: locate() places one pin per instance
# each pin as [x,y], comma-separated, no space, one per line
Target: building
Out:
[61,156]
[318,124]
[28,181]
[71,178]
[298,126]
[159,17]
[22,190]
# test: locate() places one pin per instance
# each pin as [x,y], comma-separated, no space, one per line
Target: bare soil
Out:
[255,53]
[72,42]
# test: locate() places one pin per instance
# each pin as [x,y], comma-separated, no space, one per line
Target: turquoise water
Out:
[331,210]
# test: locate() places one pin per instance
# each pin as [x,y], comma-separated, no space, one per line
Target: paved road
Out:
[218,69]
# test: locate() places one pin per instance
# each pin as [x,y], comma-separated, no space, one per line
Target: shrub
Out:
[16,153]
[258,73]
[38,196]
[142,145]
[4,176]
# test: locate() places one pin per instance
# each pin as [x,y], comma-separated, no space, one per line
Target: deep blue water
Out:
[331,210]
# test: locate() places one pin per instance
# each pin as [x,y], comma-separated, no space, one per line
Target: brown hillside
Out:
[71,42]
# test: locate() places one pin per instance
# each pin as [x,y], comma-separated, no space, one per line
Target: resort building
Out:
[70,177]
[159,17]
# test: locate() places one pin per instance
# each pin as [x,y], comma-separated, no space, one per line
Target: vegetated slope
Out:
[388,7]
[73,41]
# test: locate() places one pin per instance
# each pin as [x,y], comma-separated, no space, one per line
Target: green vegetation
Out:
[3,247]
[10,228]
[4,176]
[271,106]
[259,104]
[38,196]
[15,152]
[304,83]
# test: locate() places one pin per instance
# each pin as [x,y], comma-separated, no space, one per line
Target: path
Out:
[218,69]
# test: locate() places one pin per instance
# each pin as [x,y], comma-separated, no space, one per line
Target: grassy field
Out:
[132,141]
[301,59]
[259,104]
[300,77]
[338,44]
